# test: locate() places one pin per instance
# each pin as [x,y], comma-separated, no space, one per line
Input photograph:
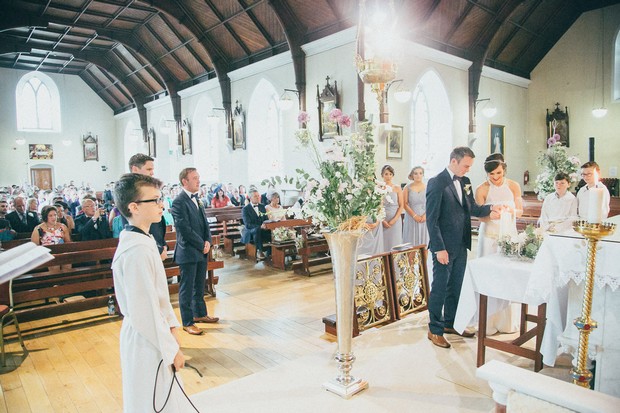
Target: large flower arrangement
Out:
[552,161]
[346,192]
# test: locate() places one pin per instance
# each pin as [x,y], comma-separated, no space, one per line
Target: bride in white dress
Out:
[498,190]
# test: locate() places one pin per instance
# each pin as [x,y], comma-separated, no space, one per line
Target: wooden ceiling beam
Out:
[478,53]
[90,80]
[257,23]
[188,45]
[294,31]
[171,49]
[229,29]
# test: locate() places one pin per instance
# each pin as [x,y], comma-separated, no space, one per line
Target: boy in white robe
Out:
[150,327]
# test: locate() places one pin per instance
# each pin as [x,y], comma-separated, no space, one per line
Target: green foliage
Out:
[552,161]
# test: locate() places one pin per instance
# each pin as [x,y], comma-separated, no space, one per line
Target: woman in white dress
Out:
[275,212]
[498,190]
[393,223]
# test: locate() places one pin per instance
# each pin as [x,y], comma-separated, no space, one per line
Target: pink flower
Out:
[345,121]
[551,141]
[303,117]
[335,115]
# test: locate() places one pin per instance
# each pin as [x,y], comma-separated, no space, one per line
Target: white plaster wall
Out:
[82,111]
[567,75]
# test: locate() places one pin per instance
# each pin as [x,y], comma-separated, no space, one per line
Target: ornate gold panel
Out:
[411,281]
[373,300]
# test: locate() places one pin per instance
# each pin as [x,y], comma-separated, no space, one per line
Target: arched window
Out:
[264,133]
[431,125]
[37,103]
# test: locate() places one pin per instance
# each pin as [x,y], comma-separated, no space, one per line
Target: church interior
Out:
[227,87]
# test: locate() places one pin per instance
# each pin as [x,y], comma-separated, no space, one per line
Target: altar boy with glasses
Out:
[590,172]
[149,334]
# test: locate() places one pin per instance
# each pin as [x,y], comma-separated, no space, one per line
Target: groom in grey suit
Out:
[449,206]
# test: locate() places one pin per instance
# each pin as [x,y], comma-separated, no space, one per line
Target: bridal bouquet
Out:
[346,193]
[525,245]
[282,234]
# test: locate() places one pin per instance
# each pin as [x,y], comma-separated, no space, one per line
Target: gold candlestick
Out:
[593,233]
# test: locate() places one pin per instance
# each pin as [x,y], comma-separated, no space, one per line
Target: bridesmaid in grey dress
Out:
[371,243]
[393,223]
[414,195]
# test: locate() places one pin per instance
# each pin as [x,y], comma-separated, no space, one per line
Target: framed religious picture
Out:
[557,125]
[91,147]
[150,141]
[328,100]
[394,142]
[186,137]
[497,139]
[238,120]
[40,151]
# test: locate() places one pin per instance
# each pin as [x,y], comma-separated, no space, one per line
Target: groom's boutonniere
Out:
[467,189]
[200,204]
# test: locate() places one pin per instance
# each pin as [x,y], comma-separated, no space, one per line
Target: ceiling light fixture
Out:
[285,102]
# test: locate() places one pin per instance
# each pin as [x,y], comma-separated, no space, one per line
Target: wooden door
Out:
[42,178]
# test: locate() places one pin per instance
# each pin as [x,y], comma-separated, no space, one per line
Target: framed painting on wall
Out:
[40,151]
[497,139]
[557,124]
[238,127]
[186,137]
[91,147]
[327,101]
[394,142]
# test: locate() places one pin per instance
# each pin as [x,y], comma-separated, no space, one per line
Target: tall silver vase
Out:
[343,250]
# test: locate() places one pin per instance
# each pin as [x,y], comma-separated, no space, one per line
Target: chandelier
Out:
[375,45]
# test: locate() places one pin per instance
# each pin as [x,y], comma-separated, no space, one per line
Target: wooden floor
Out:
[267,318]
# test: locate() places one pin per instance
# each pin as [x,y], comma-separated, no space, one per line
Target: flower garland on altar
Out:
[346,193]
[552,161]
[525,245]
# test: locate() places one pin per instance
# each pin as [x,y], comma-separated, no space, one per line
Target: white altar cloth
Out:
[500,278]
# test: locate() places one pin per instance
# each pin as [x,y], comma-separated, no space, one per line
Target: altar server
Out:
[149,347]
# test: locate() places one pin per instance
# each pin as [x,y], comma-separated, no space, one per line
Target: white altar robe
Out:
[142,294]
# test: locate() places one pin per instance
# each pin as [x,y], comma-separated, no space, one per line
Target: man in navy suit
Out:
[20,219]
[254,215]
[193,244]
[449,206]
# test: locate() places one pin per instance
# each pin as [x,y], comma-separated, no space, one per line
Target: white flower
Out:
[467,189]
[349,197]
[342,186]
[324,183]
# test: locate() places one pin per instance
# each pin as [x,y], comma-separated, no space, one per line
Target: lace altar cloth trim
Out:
[600,280]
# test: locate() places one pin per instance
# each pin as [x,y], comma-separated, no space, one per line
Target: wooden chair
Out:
[8,316]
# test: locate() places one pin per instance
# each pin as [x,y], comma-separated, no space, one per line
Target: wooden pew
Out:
[86,270]
[313,252]
[227,224]
[280,250]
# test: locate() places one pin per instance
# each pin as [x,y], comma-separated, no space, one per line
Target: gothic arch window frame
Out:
[53,107]
[267,158]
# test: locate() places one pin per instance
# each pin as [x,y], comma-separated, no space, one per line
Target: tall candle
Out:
[595,205]
[505,221]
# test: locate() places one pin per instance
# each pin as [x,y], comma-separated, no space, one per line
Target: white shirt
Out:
[189,194]
[555,208]
[457,185]
[583,197]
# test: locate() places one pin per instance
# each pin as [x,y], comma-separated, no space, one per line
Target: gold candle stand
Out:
[592,233]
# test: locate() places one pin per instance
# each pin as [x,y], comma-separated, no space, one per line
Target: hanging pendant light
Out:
[601,111]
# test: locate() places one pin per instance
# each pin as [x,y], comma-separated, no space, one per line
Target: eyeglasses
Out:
[159,200]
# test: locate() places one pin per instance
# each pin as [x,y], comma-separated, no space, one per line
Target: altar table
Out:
[495,281]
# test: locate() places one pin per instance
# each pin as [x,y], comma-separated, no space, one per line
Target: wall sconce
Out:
[488,110]
[285,102]
[20,141]
[212,118]
[402,94]
[66,142]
